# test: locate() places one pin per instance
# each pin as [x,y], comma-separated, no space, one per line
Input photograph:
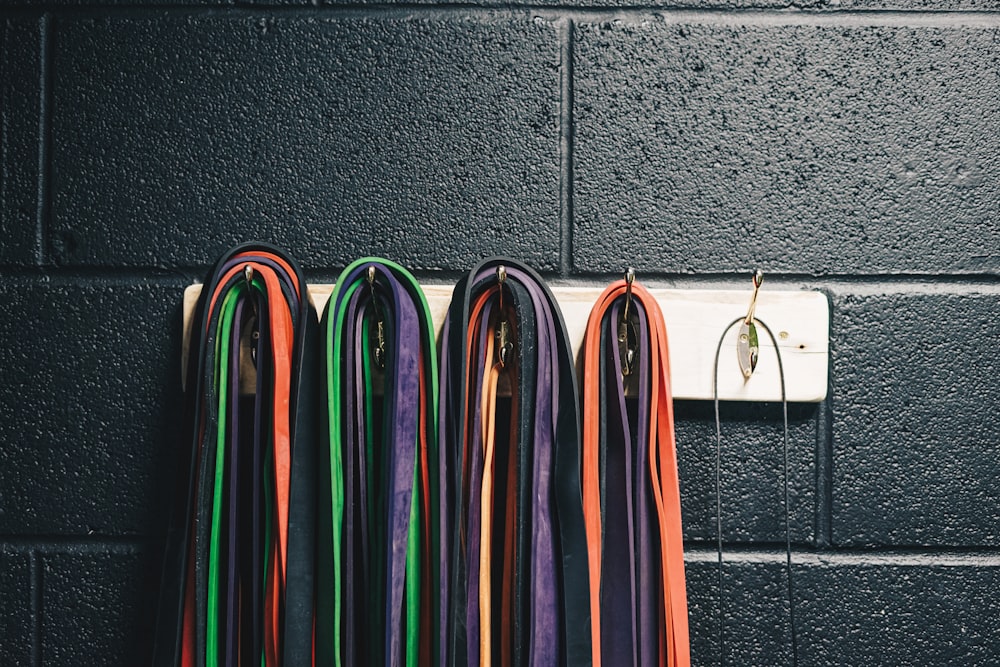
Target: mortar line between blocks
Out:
[824,466]
[763,15]
[4,119]
[824,451]
[36,608]
[566,149]
[44,203]
[772,552]
[76,544]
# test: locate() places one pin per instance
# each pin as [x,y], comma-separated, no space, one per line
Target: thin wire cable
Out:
[718,490]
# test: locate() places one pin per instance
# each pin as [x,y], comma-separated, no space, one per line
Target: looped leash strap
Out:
[631,492]
[238,572]
[379,590]
[718,490]
[513,531]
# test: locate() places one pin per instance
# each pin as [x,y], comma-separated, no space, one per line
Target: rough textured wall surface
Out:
[850,146]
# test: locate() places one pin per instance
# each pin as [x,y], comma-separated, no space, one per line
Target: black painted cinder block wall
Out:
[851,146]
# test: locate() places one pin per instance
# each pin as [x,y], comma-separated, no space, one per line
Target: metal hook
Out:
[748,345]
[501,279]
[379,333]
[505,342]
[757,278]
[627,338]
[254,324]
[629,279]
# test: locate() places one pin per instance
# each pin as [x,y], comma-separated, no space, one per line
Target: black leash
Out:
[718,489]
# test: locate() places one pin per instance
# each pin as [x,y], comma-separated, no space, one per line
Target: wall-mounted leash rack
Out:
[695,319]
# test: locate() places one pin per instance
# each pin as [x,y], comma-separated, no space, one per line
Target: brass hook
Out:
[748,345]
[757,278]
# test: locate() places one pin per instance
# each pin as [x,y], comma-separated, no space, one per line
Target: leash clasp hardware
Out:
[505,340]
[628,341]
[255,325]
[379,320]
[748,345]
[505,344]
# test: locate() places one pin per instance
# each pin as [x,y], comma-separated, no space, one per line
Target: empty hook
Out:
[747,345]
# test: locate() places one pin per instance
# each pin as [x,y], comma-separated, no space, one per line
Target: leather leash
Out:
[379,549]
[516,571]
[238,569]
[631,492]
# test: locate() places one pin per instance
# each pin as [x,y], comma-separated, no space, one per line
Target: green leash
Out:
[376,642]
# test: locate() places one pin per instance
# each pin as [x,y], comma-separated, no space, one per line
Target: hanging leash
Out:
[379,546]
[516,578]
[747,356]
[631,492]
[238,570]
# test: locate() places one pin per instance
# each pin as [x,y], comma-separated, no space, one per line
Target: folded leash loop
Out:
[517,564]
[379,551]
[238,571]
[631,492]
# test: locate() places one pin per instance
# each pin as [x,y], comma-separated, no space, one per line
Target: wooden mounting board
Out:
[695,319]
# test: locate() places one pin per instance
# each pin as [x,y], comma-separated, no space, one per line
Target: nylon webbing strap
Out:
[516,578]
[631,493]
[238,572]
[379,579]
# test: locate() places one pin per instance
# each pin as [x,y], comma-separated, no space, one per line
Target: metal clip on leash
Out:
[379,333]
[627,337]
[505,340]
[255,324]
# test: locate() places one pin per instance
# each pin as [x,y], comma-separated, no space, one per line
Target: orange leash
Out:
[656,405]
